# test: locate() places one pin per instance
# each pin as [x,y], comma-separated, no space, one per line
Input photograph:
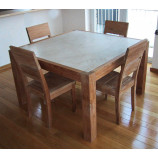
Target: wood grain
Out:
[38,31]
[141,78]
[116,27]
[116,83]
[88,83]
[5,67]
[47,86]
[137,130]
[65,58]
[154,70]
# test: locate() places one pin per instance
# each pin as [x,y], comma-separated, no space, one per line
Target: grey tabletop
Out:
[81,50]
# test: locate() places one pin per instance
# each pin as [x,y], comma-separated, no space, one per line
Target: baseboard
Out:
[5,67]
[154,70]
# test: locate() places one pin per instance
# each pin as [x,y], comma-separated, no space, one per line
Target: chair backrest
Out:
[114,27]
[38,31]
[133,58]
[28,65]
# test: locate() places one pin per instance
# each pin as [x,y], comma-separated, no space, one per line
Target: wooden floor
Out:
[138,129]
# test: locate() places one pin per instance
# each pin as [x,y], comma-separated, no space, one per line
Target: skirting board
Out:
[5,67]
[154,70]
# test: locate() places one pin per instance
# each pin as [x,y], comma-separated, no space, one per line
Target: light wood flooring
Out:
[137,129]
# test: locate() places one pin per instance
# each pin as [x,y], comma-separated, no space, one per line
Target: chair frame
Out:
[38,31]
[34,71]
[115,27]
[131,65]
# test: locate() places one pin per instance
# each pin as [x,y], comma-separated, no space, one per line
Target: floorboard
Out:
[137,130]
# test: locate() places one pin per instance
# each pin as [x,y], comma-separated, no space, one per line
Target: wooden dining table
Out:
[85,57]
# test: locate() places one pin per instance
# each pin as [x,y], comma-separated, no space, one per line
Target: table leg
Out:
[20,88]
[88,83]
[141,78]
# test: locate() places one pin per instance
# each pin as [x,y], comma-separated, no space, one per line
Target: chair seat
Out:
[109,83]
[56,84]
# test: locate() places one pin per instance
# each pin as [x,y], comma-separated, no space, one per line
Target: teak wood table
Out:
[84,57]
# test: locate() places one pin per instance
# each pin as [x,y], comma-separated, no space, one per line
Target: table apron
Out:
[107,68]
[61,70]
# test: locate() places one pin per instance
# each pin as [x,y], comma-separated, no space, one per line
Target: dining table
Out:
[84,57]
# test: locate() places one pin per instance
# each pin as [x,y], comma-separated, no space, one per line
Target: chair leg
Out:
[49,113]
[117,109]
[133,97]
[106,96]
[29,108]
[73,94]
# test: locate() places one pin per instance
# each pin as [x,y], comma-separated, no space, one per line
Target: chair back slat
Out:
[131,67]
[133,58]
[115,27]
[32,73]
[27,62]
[135,52]
[38,31]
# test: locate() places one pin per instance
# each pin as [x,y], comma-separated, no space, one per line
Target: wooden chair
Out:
[47,86]
[114,27]
[117,83]
[38,31]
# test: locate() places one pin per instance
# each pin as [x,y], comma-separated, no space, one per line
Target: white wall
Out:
[155,54]
[87,19]
[73,19]
[13,29]
[90,20]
